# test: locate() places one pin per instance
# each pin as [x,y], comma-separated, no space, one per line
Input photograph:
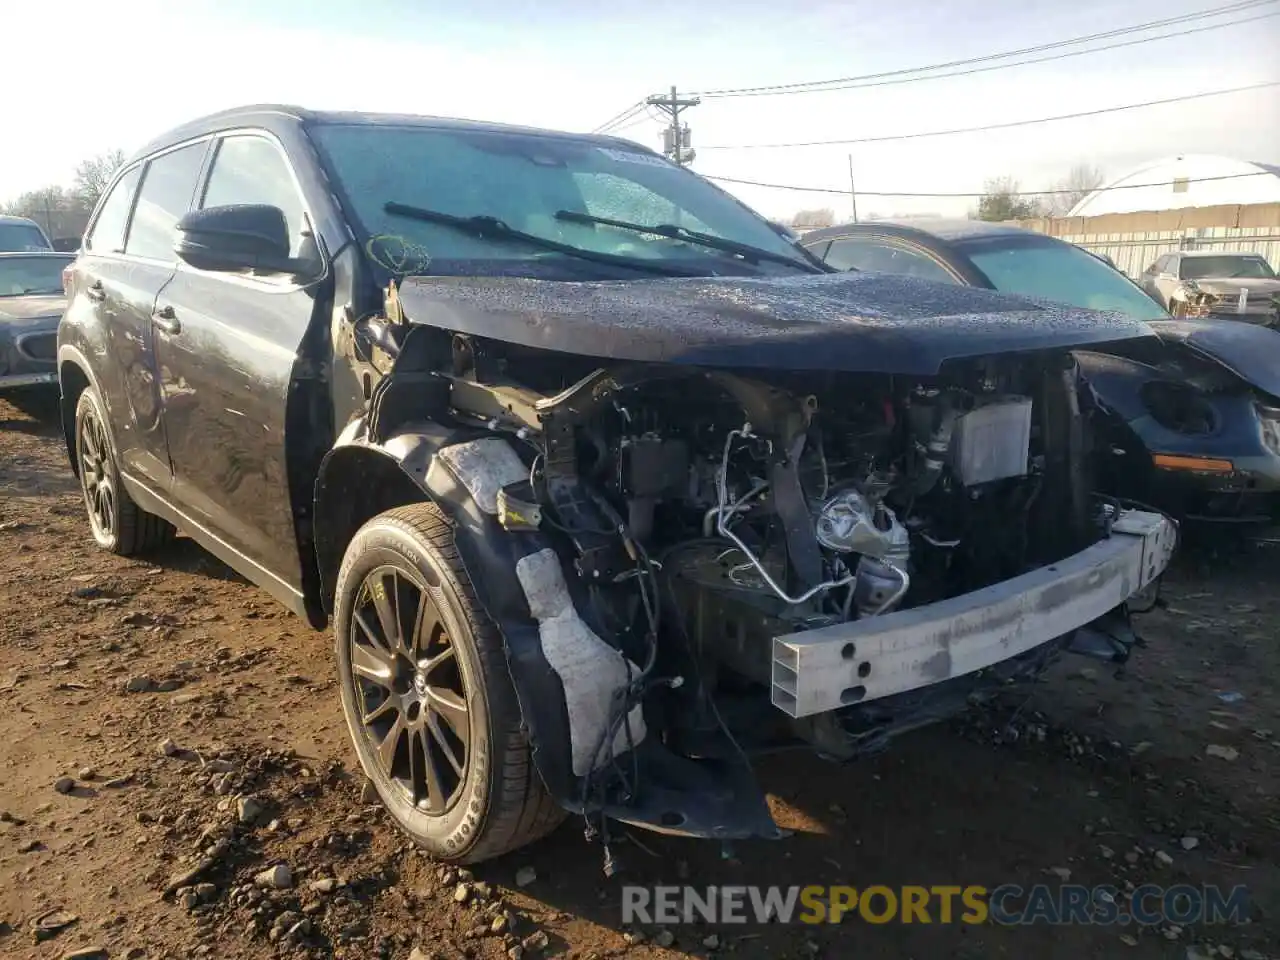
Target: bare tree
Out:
[812,219]
[1083,179]
[1002,200]
[93,175]
[47,206]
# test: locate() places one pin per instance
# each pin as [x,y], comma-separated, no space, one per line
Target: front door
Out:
[228,347]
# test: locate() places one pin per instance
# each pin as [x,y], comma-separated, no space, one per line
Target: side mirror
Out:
[243,236]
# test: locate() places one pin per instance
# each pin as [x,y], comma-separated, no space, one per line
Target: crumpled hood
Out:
[854,322]
[1230,287]
[1250,352]
[28,308]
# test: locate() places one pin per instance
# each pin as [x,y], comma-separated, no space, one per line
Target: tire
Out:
[124,528]
[498,802]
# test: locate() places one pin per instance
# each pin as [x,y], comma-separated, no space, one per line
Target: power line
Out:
[812,85]
[634,122]
[897,81]
[621,117]
[994,126]
[844,191]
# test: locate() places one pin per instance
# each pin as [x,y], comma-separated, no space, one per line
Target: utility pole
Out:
[853,192]
[676,139]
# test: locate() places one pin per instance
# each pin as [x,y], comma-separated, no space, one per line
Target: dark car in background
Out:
[1194,421]
[1215,285]
[582,457]
[31,304]
[20,235]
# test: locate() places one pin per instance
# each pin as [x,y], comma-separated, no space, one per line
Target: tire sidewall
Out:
[90,403]
[387,542]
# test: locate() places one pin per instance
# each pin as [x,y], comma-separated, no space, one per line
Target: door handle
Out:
[96,291]
[166,318]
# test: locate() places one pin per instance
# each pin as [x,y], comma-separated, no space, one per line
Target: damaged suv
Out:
[602,481]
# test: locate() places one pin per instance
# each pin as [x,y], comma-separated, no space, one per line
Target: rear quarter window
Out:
[21,238]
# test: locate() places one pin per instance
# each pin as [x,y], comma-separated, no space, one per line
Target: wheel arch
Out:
[75,375]
[356,483]
[360,478]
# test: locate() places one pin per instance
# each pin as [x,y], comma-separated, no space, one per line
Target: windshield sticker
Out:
[632,156]
[397,254]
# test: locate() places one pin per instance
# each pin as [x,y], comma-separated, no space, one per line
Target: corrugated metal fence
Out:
[1133,241]
[1134,252]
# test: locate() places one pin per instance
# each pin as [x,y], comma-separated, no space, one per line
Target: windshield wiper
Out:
[493,229]
[673,232]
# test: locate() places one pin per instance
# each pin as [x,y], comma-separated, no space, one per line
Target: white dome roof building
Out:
[1194,180]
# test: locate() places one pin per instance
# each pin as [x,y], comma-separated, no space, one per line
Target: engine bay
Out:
[704,512]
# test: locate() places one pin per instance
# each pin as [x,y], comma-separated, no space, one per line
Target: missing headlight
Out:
[1178,407]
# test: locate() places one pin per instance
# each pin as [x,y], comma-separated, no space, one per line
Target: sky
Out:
[105,74]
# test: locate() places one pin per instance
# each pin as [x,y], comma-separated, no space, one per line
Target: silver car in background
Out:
[1220,286]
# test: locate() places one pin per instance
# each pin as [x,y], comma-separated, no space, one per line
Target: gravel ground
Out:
[175,781]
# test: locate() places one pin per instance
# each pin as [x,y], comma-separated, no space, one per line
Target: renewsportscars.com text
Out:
[1008,904]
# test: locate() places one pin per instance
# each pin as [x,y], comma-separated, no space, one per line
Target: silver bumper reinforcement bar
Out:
[831,667]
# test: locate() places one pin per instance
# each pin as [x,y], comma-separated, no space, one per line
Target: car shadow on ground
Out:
[186,555]
[27,478]
[36,414]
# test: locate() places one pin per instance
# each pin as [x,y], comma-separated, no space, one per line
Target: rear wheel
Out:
[117,523]
[427,695]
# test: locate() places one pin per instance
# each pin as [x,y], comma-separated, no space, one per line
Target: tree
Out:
[1001,201]
[93,175]
[45,206]
[813,219]
[1083,179]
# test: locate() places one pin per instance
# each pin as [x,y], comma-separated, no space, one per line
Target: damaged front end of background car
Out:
[710,517]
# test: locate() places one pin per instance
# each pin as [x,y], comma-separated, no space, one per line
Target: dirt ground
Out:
[193,714]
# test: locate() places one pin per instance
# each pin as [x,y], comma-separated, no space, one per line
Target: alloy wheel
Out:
[96,478]
[409,689]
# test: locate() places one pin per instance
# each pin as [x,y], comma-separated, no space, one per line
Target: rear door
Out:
[879,254]
[127,260]
[228,346]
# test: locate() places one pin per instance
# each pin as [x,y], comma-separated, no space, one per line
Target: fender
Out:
[423,459]
[72,356]
[1117,382]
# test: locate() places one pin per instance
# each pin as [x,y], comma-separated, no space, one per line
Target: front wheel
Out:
[427,696]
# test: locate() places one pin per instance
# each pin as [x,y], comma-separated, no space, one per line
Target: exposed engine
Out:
[707,512]
[764,509]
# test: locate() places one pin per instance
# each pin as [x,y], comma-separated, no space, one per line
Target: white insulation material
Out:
[589,668]
[484,467]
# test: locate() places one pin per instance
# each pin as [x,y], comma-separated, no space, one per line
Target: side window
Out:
[249,169]
[879,256]
[107,235]
[165,197]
